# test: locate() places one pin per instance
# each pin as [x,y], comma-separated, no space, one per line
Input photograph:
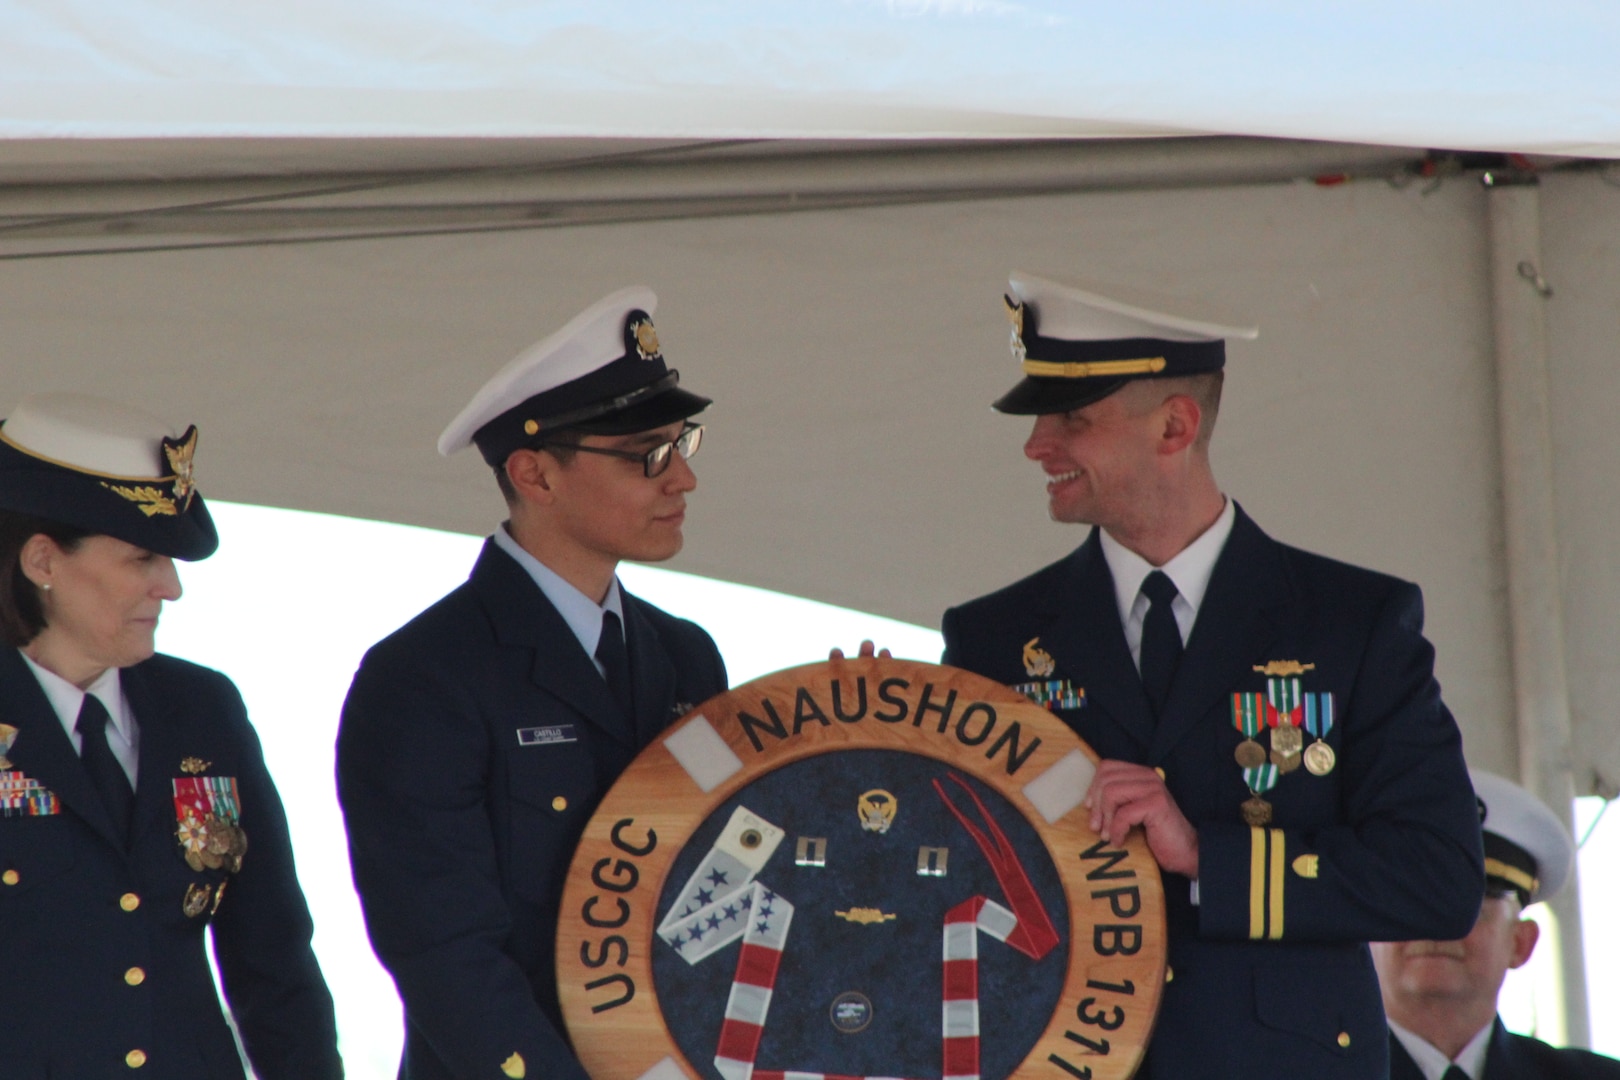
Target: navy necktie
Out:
[1161,640]
[108,777]
[615,661]
[1454,1072]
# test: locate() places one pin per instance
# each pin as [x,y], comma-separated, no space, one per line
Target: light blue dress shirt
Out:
[582,614]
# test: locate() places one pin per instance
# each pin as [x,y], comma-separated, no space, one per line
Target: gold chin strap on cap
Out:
[1512,874]
[1052,369]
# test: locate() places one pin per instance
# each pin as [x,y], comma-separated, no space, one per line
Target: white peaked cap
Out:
[1075,314]
[1525,821]
[90,434]
[586,342]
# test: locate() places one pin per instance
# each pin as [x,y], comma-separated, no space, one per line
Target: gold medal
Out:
[219,837]
[238,842]
[1256,811]
[194,860]
[1250,754]
[1286,739]
[196,901]
[1286,763]
[1319,758]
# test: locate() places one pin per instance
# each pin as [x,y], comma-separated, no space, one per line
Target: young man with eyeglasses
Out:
[477,740]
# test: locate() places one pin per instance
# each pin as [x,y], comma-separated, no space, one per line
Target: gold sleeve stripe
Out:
[1278,863]
[1075,369]
[1257,883]
[1499,869]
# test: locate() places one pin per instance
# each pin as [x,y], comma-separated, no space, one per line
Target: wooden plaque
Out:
[859,868]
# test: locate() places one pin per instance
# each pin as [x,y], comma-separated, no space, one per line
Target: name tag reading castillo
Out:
[860,868]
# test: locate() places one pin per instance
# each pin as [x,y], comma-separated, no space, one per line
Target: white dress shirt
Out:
[582,614]
[1470,1059]
[1190,571]
[123,734]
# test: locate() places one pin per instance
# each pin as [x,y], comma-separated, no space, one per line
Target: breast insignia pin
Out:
[196,901]
[8,735]
[1038,663]
[866,916]
[191,766]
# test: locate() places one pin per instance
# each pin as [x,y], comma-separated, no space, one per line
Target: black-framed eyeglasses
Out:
[655,461]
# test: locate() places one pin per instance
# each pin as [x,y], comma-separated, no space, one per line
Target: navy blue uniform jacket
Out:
[80,913]
[1518,1057]
[1271,976]
[476,742]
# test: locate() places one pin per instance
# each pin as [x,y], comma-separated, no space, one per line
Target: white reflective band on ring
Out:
[1062,787]
[702,753]
[664,1070]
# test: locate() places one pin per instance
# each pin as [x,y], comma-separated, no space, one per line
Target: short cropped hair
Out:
[560,446]
[1204,388]
[22,616]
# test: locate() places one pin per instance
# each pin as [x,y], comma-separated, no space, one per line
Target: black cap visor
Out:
[139,511]
[1509,867]
[1035,396]
[653,412]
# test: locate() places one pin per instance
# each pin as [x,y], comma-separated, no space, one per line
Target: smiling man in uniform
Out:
[1268,717]
[478,739]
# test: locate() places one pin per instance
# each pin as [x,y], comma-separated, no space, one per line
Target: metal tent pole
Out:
[1519,295]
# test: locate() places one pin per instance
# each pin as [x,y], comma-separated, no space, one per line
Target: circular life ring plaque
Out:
[860,868]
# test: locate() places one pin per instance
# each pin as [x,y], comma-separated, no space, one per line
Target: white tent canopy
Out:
[1520,76]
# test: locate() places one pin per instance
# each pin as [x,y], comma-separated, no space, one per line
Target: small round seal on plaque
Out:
[851,1012]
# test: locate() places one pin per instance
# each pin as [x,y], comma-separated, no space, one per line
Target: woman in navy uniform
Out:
[478,738]
[1268,717]
[135,808]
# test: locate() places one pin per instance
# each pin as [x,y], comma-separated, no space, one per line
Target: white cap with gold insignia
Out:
[603,372]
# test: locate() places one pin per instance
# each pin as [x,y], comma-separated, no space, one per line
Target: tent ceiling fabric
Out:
[1511,77]
[189,197]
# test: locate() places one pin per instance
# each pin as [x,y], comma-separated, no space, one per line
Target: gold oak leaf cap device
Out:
[106,467]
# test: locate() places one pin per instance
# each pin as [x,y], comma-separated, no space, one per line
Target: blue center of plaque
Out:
[870,861]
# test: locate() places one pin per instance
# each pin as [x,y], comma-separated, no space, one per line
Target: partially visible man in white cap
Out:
[478,739]
[1441,995]
[1268,717]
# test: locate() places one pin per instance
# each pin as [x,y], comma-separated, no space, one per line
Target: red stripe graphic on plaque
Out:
[1034,935]
[750,1000]
[959,1007]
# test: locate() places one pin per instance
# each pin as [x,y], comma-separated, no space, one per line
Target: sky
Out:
[293,599]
